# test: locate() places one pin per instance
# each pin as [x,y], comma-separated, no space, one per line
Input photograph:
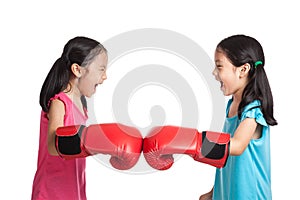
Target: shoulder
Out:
[57,107]
[253,110]
[60,99]
[254,104]
[60,96]
[57,103]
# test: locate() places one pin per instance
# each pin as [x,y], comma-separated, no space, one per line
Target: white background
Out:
[32,37]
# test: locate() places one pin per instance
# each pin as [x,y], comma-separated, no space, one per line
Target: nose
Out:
[214,72]
[104,76]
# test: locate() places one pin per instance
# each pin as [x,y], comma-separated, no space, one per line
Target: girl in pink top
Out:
[74,76]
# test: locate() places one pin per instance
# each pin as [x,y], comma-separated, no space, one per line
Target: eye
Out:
[219,67]
[102,69]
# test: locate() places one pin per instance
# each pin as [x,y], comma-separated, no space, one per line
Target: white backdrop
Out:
[32,37]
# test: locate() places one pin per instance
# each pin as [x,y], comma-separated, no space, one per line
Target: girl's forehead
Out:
[220,56]
[100,60]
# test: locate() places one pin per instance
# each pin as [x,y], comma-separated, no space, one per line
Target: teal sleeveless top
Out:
[247,176]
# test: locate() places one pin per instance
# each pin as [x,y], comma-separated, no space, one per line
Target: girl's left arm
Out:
[247,130]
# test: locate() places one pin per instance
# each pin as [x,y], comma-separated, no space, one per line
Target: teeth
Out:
[222,86]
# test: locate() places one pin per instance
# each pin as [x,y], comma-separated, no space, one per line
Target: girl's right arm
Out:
[56,119]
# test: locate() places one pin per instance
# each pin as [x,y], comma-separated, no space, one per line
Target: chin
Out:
[88,95]
[226,93]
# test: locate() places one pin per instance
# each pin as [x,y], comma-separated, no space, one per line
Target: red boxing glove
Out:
[123,143]
[162,142]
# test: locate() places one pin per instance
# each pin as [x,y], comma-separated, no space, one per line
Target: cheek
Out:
[227,75]
[91,78]
[223,76]
[86,83]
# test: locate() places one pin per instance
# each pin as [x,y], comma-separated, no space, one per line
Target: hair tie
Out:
[257,63]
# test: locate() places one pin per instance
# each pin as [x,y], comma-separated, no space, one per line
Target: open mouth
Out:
[222,85]
[96,86]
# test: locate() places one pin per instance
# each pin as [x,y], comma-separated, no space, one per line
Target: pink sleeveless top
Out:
[55,177]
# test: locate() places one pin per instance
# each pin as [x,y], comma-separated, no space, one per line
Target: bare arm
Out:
[56,119]
[247,130]
[207,196]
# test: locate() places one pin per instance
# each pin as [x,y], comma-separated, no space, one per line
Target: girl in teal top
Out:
[240,61]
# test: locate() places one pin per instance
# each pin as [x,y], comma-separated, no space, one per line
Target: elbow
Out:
[236,149]
[52,153]
[236,152]
[52,150]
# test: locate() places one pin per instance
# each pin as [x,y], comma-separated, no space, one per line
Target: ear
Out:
[76,69]
[244,70]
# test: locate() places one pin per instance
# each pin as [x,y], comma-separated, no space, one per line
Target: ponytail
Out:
[57,80]
[258,88]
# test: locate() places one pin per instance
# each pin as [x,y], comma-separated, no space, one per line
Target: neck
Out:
[238,95]
[72,91]
[237,98]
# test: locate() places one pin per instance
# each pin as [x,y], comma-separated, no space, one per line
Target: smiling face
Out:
[231,78]
[93,75]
